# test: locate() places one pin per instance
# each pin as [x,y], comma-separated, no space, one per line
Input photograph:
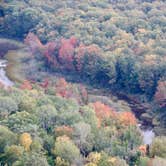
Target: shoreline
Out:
[13,67]
[9,51]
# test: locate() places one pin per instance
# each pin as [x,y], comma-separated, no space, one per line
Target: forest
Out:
[82,83]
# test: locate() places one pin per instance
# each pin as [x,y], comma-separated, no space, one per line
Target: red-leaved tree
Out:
[66,53]
[26,85]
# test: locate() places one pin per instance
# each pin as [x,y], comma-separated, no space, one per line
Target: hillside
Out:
[88,82]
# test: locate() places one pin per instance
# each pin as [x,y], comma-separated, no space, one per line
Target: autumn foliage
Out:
[143,149]
[83,50]
[64,130]
[65,54]
[26,141]
[68,90]
[48,52]
[104,112]
[62,88]
[45,83]
[127,118]
[36,46]
[26,85]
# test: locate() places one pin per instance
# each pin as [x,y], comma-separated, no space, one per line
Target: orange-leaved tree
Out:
[103,112]
[127,118]
[26,85]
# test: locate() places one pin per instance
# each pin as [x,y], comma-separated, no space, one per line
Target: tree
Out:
[7,106]
[160,95]
[103,112]
[131,138]
[94,158]
[66,53]
[66,149]
[21,122]
[28,102]
[157,161]
[68,111]
[64,130]
[83,137]
[89,116]
[33,42]
[26,141]
[68,90]
[158,147]
[21,26]
[47,116]
[49,50]
[34,159]
[7,137]
[127,118]
[12,154]
[148,78]
[26,85]
[116,161]
[81,52]
[127,72]
[61,87]
[36,145]
[61,162]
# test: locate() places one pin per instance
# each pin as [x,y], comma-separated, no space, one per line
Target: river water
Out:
[3,78]
[148,136]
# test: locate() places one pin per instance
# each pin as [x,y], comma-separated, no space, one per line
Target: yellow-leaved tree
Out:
[26,141]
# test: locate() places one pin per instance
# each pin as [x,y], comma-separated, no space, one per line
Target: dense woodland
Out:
[117,46]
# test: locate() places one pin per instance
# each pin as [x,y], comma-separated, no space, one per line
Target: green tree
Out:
[34,159]
[7,137]
[22,122]
[66,149]
[7,106]
[12,154]
[47,115]
[158,147]
[83,137]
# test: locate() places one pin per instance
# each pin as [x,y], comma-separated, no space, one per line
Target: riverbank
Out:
[11,51]
[13,69]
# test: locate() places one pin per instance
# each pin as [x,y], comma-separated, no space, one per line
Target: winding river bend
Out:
[148,134]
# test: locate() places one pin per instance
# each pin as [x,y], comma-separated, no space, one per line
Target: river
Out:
[147,133]
[3,78]
[148,136]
